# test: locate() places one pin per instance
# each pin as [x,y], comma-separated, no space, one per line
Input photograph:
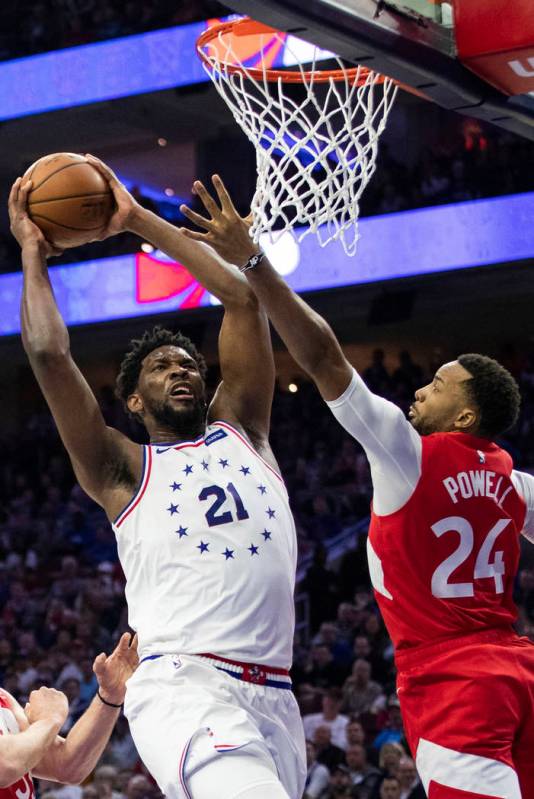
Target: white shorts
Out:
[185,714]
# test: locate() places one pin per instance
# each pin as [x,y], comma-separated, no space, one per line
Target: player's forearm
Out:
[73,758]
[21,752]
[308,337]
[44,332]
[220,279]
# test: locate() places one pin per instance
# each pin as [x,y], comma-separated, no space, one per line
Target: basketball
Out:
[70,200]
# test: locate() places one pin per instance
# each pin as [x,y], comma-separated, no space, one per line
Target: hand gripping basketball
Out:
[126,207]
[25,231]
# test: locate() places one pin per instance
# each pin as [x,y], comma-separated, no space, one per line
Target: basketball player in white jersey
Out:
[29,742]
[205,534]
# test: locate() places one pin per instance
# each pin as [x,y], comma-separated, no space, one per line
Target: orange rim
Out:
[249,27]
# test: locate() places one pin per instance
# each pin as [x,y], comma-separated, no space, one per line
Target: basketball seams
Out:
[55,172]
[68,227]
[70,197]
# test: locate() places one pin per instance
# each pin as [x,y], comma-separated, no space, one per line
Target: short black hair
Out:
[495,393]
[132,362]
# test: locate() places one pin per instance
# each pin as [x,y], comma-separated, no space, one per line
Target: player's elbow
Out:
[243,298]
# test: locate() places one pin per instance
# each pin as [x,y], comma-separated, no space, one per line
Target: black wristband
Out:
[109,704]
[253,261]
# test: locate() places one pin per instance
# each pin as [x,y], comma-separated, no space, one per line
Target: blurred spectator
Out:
[360,692]
[390,788]
[326,752]
[392,730]
[363,775]
[317,775]
[340,786]
[411,786]
[389,758]
[330,717]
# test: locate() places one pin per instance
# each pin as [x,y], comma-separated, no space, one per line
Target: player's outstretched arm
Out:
[245,352]
[308,337]
[97,452]
[70,760]
[20,753]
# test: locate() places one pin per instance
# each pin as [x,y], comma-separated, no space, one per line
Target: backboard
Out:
[411,41]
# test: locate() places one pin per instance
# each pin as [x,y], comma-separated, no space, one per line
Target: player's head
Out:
[161,383]
[473,394]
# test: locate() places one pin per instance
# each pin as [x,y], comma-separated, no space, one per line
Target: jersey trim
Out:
[138,496]
[227,426]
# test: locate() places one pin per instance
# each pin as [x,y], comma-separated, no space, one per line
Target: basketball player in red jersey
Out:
[29,740]
[443,545]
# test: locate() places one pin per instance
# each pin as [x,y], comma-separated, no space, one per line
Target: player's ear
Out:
[135,404]
[467,419]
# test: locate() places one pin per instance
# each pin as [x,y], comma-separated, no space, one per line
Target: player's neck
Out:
[168,435]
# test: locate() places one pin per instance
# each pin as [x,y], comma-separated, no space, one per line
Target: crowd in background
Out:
[36,26]
[62,590]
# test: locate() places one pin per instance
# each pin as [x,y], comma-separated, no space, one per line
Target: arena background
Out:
[61,588]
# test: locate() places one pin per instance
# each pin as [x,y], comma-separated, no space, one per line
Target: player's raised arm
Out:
[308,337]
[98,453]
[245,352]
[390,442]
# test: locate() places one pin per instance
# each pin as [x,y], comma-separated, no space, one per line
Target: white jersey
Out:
[208,547]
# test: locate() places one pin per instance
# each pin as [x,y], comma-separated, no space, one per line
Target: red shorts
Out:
[468,711]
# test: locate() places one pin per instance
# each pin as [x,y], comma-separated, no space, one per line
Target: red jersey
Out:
[444,564]
[23,788]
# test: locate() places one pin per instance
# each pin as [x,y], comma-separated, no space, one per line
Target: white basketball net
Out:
[316,154]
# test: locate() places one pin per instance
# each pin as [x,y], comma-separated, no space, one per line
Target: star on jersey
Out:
[188,469]
[245,470]
[253,550]
[228,553]
[271,513]
[224,462]
[262,490]
[173,509]
[176,486]
[203,547]
[205,466]
[181,531]
[267,535]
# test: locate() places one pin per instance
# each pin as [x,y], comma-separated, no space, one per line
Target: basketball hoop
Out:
[315,131]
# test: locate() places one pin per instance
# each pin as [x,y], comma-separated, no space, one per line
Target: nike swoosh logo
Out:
[159,451]
[26,793]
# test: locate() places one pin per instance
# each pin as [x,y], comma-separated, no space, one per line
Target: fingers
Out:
[134,642]
[14,193]
[103,168]
[207,224]
[99,662]
[222,193]
[207,200]
[193,234]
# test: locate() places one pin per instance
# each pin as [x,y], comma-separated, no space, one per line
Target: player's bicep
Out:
[247,369]
[392,446]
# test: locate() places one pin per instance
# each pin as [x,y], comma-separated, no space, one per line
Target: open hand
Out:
[25,231]
[126,206]
[226,231]
[112,671]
